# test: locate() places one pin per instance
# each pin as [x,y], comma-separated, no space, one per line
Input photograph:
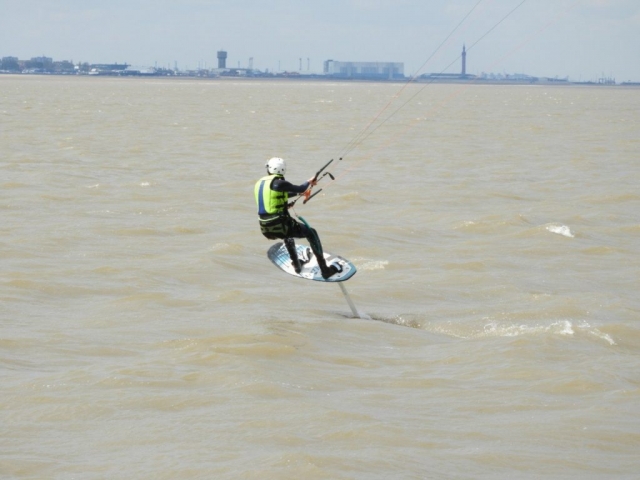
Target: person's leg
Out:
[312,237]
[293,254]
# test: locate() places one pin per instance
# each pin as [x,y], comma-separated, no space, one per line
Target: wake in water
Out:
[557,327]
[493,328]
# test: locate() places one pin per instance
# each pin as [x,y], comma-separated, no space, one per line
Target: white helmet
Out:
[276,166]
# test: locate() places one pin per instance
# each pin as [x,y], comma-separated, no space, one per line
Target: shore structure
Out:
[364,70]
[333,70]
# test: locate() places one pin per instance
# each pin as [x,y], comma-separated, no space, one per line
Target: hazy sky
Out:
[583,39]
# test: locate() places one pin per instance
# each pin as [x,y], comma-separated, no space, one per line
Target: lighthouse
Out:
[464,61]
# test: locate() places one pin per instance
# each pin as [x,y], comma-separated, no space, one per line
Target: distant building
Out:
[222,59]
[364,70]
[10,64]
[42,60]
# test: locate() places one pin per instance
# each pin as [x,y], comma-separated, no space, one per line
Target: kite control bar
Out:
[316,178]
[322,169]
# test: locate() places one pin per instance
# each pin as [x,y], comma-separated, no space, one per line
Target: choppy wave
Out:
[369,264]
[618,198]
[227,248]
[560,230]
[492,223]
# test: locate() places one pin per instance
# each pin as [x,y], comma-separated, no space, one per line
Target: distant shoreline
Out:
[320,78]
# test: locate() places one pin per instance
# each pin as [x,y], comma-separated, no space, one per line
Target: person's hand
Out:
[312,181]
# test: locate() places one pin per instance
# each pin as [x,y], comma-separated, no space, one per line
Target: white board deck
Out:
[311,270]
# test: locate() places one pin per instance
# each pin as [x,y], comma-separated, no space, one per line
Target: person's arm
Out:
[281,185]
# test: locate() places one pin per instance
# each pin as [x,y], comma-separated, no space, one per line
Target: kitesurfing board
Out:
[311,270]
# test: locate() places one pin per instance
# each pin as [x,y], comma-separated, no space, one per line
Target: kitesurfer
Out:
[272,197]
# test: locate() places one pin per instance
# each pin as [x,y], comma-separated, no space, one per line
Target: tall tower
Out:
[222,59]
[464,60]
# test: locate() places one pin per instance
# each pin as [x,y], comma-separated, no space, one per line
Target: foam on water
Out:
[567,328]
[227,248]
[369,265]
[494,329]
[560,230]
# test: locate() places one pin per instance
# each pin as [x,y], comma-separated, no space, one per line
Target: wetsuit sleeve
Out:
[281,185]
